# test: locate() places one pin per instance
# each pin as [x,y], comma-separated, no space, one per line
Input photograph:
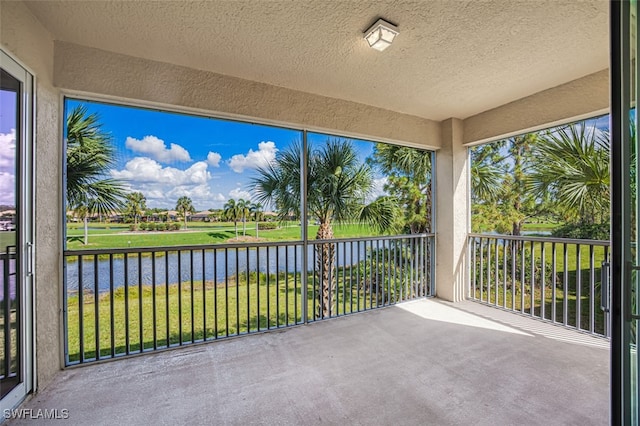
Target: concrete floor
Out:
[420,363]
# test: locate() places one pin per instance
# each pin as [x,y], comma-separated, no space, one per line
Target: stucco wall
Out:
[581,98]
[22,36]
[96,71]
[452,212]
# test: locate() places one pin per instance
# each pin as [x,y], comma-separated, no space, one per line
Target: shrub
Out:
[151,226]
[173,226]
[143,226]
[267,225]
[133,227]
[161,227]
[596,231]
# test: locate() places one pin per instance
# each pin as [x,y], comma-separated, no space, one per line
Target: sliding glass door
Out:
[16,231]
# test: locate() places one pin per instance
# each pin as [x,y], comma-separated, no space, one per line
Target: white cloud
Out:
[7,189]
[238,193]
[145,170]
[377,189]
[213,158]
[265,154]
[157,149]
[8,151]
[162,186]
[7,168]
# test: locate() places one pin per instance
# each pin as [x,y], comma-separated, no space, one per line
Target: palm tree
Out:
[243,210]
[337,185]
[231,212]
[184,206]
[486,173]
[575,170]
[136,205]
[408,172]
[257,213]
[90,155]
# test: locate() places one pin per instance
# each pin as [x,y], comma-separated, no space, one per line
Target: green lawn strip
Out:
[572,250]
[272,303]
[201,235]
[539,226]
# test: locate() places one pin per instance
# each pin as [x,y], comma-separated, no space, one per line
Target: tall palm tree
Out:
[243,210]
[408,172]
[231,212]
[90,155]
[257,213]
[184,206]
[486,173]
[136,205]
[337,185]
[575,170]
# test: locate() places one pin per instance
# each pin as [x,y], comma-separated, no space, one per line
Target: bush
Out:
[161,227]
[173,226]
[267,225]
[151,226]
[143,226]
[133,227]
[597,231]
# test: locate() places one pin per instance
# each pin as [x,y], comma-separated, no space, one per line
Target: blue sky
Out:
[7,147]
[167,155]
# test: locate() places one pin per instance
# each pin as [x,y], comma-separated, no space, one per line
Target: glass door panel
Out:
[16,234]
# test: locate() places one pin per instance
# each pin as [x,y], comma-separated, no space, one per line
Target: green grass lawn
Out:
[163,317]
[523,301]
[565,280]
[7,238]
[539,226]
[199,233]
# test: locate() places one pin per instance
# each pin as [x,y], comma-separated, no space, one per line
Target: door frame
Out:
[25,178]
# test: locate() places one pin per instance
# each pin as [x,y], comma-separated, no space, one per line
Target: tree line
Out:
[560,175]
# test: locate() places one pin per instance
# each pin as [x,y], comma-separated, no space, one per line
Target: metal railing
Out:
[10,327]
[120,302]
[553,279]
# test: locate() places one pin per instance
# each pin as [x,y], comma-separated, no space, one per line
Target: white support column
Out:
[452,212]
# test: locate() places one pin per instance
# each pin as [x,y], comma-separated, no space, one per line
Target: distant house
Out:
[203,216]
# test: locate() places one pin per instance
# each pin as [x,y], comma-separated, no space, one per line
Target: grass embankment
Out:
[217,311]
[103,236]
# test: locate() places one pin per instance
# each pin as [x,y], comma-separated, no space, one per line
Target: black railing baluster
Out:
[215,293]
[191,294]
[531,279]
[166,297]
[112,308]
[277,288]
[258,288]
[179,254]
[126,303]
[204,297]
[96,306]
[226,290]
[140,328]
[153,300]
[377,269]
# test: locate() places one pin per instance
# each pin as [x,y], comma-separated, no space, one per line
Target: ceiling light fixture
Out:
[381,34]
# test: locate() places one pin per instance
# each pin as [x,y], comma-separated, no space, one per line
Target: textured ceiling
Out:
[451,59]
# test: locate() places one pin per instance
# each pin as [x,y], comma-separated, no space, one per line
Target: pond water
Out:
[220,264]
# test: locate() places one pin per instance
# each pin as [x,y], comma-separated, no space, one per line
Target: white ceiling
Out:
[451,59]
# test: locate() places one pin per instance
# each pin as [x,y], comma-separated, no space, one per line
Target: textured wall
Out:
[23,37]
[579,98]
[95,71]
